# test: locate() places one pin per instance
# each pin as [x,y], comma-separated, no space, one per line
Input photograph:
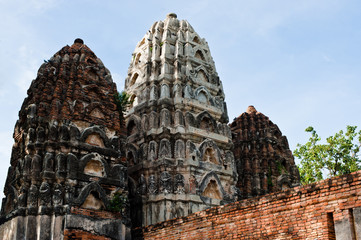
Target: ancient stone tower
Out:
[264,161]
[66,166]
[179,143]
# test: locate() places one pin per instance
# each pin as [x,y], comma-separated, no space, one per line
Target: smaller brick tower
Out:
[264,161]
[66,166]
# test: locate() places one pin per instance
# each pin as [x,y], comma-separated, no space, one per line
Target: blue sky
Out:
[297,62]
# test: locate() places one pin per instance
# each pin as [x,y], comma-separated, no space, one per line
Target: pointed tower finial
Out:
[79,40]
[251,109]
[173,15]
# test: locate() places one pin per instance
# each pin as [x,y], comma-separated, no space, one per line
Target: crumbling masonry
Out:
[66,163]
[77,172]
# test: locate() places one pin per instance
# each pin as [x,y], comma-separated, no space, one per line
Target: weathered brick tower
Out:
[264,160]
[179,143]
[66,164]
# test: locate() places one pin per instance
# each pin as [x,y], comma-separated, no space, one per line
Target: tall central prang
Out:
[179,144]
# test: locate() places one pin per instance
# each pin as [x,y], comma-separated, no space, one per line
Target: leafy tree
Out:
[338,156]
[122,100]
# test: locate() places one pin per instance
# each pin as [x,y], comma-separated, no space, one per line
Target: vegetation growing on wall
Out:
[122,100]
[118,203]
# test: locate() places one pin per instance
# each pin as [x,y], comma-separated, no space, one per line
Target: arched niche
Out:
[152,151]
[95,140]
[212,190]
[199,54]
[177,91]
[153,120]
[143,152]
[92,75]
[211,187]
[178,118]
[93,201]
[145,122]
[93,164]
[94,167]
[97,113]
[133,100]
[137,59]
[164,92]
[165,149]
[206,122]
[191,151]
[202,76]
[188,93]
[133,79]
[210,152]
[190,120]
[209,155]
[196,39]
[153,95]
[94,136]
[202,97]
[179,149]
[132,156]
[165,118]
[131,127]
[92,196]
[202,94]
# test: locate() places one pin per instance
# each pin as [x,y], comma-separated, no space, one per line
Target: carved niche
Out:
[165,118]
[165,183]
[179,184]
[179,150]
[165,149]
[152,151]
[152,185]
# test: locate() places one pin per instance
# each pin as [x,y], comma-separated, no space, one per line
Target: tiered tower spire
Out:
[264,160]
[179,143]
[66,165]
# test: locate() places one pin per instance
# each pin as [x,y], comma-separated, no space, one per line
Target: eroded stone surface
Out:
[178,142]
[67,144]
[264,161]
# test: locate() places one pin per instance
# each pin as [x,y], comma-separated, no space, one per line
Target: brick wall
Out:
[91,224]
[323,210]
[95,213]
[81,235]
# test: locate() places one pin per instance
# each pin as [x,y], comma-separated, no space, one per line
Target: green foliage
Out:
[161,44]
[340,155]
[118,203]
[122,100]
[281,169]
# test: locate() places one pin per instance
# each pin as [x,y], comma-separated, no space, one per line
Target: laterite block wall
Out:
[324,210]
